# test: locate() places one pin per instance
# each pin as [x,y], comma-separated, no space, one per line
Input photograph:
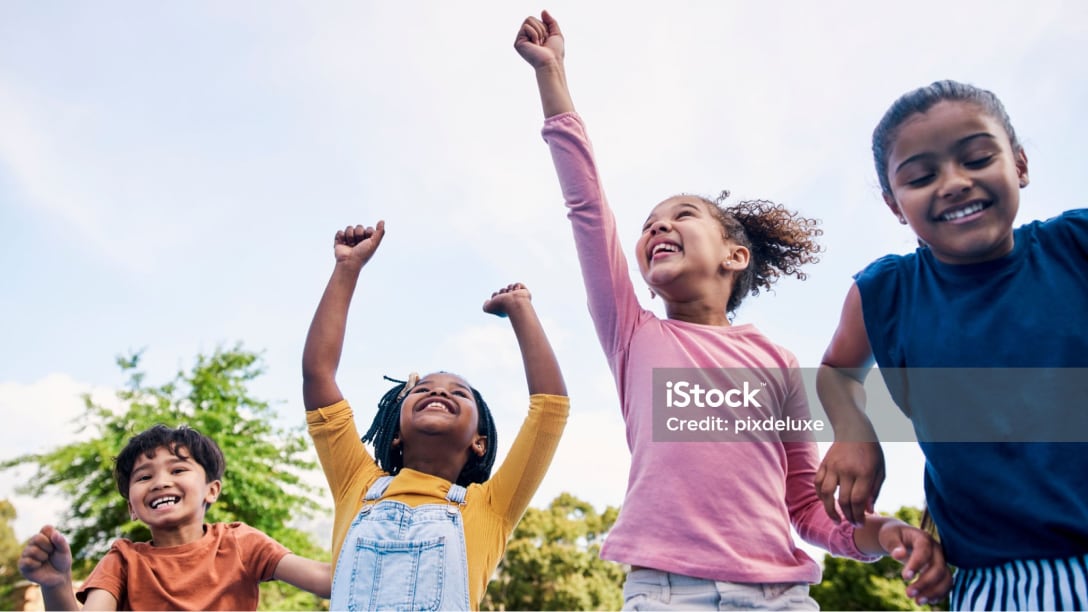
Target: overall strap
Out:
[377,489]
[456,494]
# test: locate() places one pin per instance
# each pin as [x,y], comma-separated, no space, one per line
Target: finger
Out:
[379,232]
[934,584]
[878,482]
[826,483]
[860,499]
[60,544]
[846,490]
[551,23]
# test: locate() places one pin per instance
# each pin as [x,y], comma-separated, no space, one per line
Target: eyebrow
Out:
[959,144]
[679,205]
[455,382]
[173,460]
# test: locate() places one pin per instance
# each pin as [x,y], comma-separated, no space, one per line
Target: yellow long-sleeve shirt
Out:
[491,509]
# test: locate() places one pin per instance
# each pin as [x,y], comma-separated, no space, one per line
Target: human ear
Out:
[214,487]
[131,511]
[889,199]
[479,446]
[738,258]
[1022,167]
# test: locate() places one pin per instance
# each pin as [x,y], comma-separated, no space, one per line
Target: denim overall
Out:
[396,557]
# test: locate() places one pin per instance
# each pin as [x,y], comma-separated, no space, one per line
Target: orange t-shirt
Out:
[220,571]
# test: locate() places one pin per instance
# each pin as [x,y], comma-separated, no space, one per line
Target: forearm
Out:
[325,340]
[867,537]
[555,99]
[542,373]
[60,597]
[842,396]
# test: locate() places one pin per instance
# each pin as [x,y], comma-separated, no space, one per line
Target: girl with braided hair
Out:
[423,524]
[706,519]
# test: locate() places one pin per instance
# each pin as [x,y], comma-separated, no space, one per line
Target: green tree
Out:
[10,549]
[262,486]
[553,561]
[850,585]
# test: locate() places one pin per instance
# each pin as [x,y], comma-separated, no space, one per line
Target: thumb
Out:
[550,23]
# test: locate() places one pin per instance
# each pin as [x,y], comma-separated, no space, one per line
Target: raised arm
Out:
[542,372]
[540,42]
[353,247]
[854,465]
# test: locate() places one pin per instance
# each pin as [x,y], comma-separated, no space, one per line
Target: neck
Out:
[703,312]
[178,535]
[448,468]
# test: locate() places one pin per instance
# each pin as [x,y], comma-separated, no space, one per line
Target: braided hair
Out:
[780,242]
[386,426]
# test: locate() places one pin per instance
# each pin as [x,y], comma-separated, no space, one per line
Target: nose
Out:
[659,226]
[955,181]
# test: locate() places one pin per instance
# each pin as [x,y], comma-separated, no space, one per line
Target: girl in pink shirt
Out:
[707,514]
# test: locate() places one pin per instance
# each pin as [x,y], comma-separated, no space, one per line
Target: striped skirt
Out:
[1034,584]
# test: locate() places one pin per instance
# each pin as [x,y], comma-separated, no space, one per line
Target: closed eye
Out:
[921,180]
[979,162]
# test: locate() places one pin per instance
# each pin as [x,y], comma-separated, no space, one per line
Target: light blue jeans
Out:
[648,589]
[396,557]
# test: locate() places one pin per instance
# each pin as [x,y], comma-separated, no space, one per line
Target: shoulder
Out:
[1070,226]
[886,266]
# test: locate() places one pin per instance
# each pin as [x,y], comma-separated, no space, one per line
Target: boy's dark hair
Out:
[921,100]
[779,240]
[386,426]
[199,447]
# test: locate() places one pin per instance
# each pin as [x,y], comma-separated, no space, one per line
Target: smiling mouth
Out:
[966,211]
[434,404]
[164,501]
[664,249]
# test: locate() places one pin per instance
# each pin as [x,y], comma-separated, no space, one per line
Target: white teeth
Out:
[665,246]
[164,501]
[963,212]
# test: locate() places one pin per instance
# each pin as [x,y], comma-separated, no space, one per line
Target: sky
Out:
[172,174]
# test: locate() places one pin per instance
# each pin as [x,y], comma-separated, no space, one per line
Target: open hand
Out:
[506,299]
[539,41]
[47,559]
[358,243]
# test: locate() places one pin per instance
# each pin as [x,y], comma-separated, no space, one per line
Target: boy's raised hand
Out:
[47,559]
[506,299]
[539,41]
[357,244]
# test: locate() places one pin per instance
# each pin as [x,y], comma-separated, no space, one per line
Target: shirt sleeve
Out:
[807,513]
[343,456]
[110,575]
[511,488]
[612,303]
[260,552]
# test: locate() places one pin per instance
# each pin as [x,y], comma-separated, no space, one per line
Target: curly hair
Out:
[780,242]
[386,426]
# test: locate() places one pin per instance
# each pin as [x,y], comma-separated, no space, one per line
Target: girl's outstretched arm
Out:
[540,42]
[353,247]
[854,465]
[542,371]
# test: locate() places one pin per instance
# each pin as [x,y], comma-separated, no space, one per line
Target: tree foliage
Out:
[262,486]
[851,585]
[10,549]
[553,561]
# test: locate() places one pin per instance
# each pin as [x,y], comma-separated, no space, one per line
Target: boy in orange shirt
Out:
[170,477]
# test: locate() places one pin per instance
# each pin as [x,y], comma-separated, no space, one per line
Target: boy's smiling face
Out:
[170,491]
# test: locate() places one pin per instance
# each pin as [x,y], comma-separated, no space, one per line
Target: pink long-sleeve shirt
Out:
[714,510]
